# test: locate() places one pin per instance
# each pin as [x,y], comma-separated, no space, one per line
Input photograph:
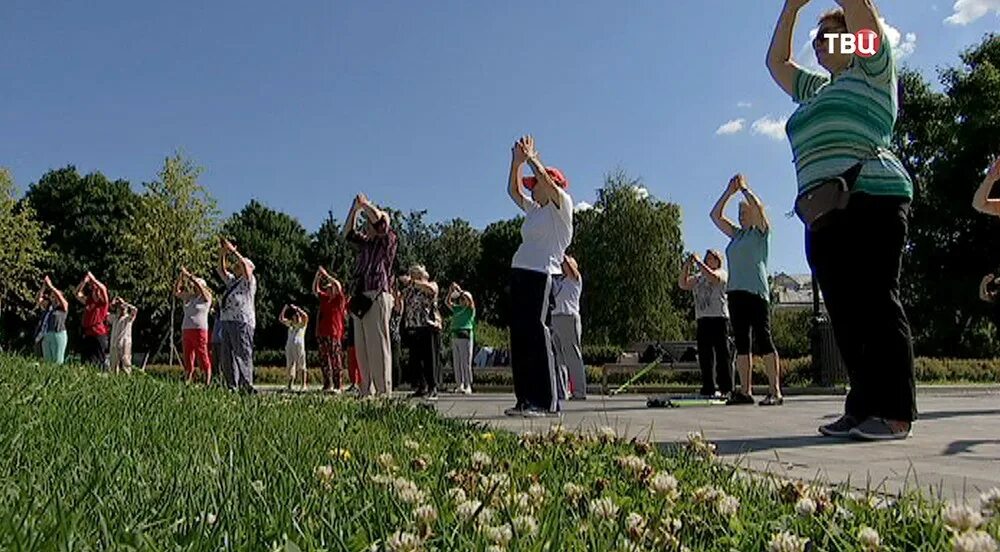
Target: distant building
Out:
[792,291]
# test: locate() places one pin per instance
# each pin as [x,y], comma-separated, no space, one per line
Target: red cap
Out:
[529,182]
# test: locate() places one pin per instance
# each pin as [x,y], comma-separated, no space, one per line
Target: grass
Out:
[97,462]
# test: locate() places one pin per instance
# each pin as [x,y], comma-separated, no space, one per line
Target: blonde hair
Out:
[421,270]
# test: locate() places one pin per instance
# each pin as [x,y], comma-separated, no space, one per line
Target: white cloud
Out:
[772,128]
[640,192]
[967,11]
[731,127]
[902,44]
[744,105]
[583,206]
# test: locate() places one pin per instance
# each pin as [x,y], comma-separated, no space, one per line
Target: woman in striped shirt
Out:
[843,126]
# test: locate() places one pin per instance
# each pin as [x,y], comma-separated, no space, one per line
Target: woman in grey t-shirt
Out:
[197,298]
[707,280]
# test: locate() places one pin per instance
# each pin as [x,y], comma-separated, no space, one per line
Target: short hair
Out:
[714,253]
[420,269]
[835,16]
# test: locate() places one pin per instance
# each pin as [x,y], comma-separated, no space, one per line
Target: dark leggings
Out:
[532,361]
[714,355]
[423,344]
[751,317]
[856,259]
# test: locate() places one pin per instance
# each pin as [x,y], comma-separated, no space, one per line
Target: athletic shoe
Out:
[878,429]
[739,398]
[467,390]
[840,428]
[535,412]
[515,410]
[418,394]
[578,398]
[432,395]
[772,400]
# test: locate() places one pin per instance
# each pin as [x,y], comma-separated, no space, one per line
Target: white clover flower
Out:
[632,464]
[467,509]
[324,474]
[494,548]
[989,502]
[384,480]
[663,484]
[869,539]
[456,495]
[787,542]
[411,444]
[386,461]
[501,535]
[403,542]
[573,491]
[411,496]
[805,507]
[607,434]
[257,486]
[671,525]
[974,541]
[500,481]
[526,526]
[537,494]
[706,494]
[727,506]
[635,524]
[961,518]
[481,460]
[603,508]
[629,546]
[425,515]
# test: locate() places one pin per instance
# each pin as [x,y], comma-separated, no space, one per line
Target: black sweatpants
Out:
[856,260]
[714,355]
[531,359]
[422,364]
[94,350]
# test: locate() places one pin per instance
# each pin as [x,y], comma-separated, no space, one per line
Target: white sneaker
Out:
[467,390]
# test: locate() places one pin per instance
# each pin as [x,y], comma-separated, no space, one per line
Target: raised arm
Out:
[982,202]
[373,213]
[714,275]
[514,187]
[351,222]
[779,55]
[719,209]
[984,293]
[60,298]
[546,188]
[102,290]
[78,292]
[754,202]
[861,14]
[429,288]
[202,288]
[572,268]
[685,281]
[179,285]
[222,268]
[283,317]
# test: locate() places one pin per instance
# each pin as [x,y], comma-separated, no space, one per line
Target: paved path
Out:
[954,452]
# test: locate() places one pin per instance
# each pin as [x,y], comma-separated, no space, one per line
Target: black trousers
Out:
[94,350]
[751,318]
[531,359]
[423,366]
[856,259]
[714,356]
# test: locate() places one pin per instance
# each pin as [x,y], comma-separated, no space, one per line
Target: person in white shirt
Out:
[707,280]
[295,346]
[545,235]
[123,315]
[567,331]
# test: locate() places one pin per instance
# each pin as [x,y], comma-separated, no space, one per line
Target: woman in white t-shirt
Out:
[545,234]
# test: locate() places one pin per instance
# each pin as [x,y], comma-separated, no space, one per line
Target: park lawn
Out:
[91,461]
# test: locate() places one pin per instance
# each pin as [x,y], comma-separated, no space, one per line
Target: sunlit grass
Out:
[96,462]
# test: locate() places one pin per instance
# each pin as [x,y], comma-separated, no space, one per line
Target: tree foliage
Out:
[22,249]
[946,140]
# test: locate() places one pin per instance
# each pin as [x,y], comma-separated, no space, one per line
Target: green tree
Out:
[22,252]
[329,248]
[88,219]
[629,247]
[455,254]
[946,139]
[176,224]
[279,247]
[498,243]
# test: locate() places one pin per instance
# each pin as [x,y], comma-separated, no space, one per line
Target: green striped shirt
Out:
[843,121]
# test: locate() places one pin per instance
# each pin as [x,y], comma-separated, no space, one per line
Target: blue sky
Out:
[303,104]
